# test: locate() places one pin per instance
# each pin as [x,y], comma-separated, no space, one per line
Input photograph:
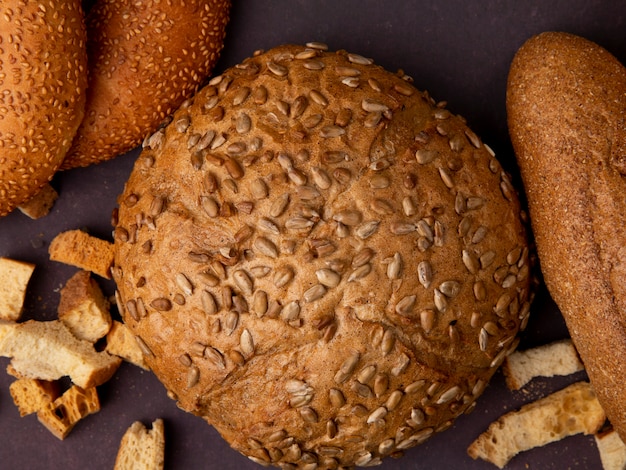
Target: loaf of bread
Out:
[49,351]
[83,308]
[78,248]
[566,104]
[572,410]
[43,77]
[557,358]
[15,276]
[60,416]
[142,449]
[320,260]
[145,59]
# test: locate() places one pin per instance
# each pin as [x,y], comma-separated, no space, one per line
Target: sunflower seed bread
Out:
[320,260]
[566,104]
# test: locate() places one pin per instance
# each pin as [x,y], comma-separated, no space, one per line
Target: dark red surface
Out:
[458,50]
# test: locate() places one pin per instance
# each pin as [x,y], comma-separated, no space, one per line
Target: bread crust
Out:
[299,253]
[44,76]
[145,59]
[566,102]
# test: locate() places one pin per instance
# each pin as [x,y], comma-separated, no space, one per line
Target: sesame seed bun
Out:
[321,261]
[145,59]
[43,78]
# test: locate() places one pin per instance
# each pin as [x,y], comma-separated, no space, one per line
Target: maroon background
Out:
[458,50]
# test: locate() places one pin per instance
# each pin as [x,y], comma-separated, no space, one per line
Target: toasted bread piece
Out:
[32,395]
[15,276]
[557,358]
[612,450]
[121,342]
[142,449]
[40,204]
[83,308]
[61,416]
[572,410]
[78,248]
[49,351]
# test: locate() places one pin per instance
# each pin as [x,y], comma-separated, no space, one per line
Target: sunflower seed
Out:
[450,288]
[441,302]
[336,398]
[328,277]
[143,346]
[246,343]
[210,206]
[331,131]
[388,342]
[230,322]
[298,223]
[279,205]
[402,228]
[425,273]
[427,320]
[381,384]
[348,217]
[161,304]
[405,305]
[298,106]
[479,234]
[277,69]
[291,311]
[314,293]
[377,414]
[321,178]
[360,272]
[394,267]
[370,105]
[358,59]
[309,415]
[362,257]
[424,156]
[394,400]
[401,365]
[367,229]
[318,98]
[347,368]
[243,281]
[266,247]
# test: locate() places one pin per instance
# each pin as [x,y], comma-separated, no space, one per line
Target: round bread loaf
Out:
[566,104]
[43,77]
[145,59]
[319,260]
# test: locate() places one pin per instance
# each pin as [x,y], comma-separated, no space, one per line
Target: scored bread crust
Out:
[319,260]
[43,75]
[145,59]
[566,102]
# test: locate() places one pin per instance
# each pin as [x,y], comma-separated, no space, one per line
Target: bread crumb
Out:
[78,248]
[15,276]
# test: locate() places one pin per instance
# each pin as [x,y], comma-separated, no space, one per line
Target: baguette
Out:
[49,351]
[569,411]
[566,104]
[142,449]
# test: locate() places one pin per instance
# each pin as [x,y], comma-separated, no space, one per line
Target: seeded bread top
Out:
[320,260]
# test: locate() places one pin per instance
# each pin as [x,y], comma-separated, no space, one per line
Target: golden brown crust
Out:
[566,102]
[145,59]
[44,69]
[335,270]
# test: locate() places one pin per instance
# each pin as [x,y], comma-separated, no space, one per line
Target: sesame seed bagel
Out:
[145,59]
[320,261]
[43,76]
[566,104]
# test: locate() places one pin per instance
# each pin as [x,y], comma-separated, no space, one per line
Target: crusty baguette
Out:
[40,204]
[557,358]
[566,104]
[60,416]
[122,342]
[78,248]
[612,450]
[32,395]
[83,308]
[15,276]
[43,78]
[142,449]
[49,351]
[145,59]
[569,411]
